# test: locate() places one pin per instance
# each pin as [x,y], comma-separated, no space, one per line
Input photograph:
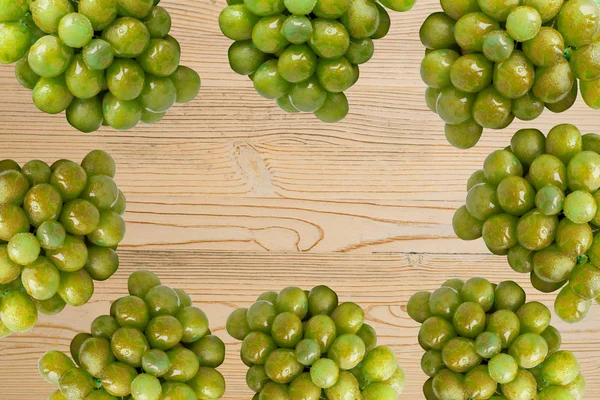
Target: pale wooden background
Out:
[229,197]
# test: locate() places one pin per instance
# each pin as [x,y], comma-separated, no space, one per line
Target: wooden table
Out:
[229,197]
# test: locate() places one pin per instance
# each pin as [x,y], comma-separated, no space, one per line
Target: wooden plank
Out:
[228,188]
[219,282]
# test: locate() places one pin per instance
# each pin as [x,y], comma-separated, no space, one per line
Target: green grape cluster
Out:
[154,345]
[484,341]
[538,202]
[489,61]
[104,62]
[305,53]
[305,345]
[60,226]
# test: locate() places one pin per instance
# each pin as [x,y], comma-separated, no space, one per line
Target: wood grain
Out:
[229,196]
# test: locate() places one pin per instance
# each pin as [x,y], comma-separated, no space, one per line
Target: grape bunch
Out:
[305,53]
[104,62]
[484,341]
[153,345]
[60,226]
[303,345]
[537,202]
[489,61]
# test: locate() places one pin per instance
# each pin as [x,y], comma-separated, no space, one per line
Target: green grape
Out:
[160,58]
[265,8]
[527,145]
[187,84]
[578,22]
[208,382]
[471,29]
[516,195]
[267,35]
[503,368]
[465,225]
[500,232]
[584,62]
[336,75]
[268,82]
[457,9]
[399,5]
[566,103]
[307,96]
[580,207]
[360,51]
[498,45]
[334,109]
[48,13]
[590,92]
[83,82]
[13,187]
[134,8]
[12,10]
[128,37]
[36,172]
[564,141]
[362,18]
[75,30]
[455,106]
[40,279]
[51,95]
[384,23]
[297,63]
[501,164]
[523,23]
[85,115]
[448,384]
[330,39]
[550,200]
[24,74]
[570,307]
[18,312]
[551,265]
[465,135]
[14,41]
[49,57]
[98,54]
[548,9]
[514,77]
[53,364]
[121,114]
[491,109]
[158,22]
[498,9]
[436,68]
[158,94]
[117,378]
[472,73]
[554,83]
[528,107]
[297,29]
[76,383]
[245,58]
[437,32]
[237,22]
[545,49]
[101,13]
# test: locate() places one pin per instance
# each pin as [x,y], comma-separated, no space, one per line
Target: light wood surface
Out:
[229,197]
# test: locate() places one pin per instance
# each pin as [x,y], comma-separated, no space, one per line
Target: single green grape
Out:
[98,54]
[75,30]
[523,23]
[128,36]
[160,58]
[83,82]
[49,57]
[15,39]
[334,109]
[187,84]
[121,114]
[101,13]
[52,95]
[471,29]
[48,13]
[330,39]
